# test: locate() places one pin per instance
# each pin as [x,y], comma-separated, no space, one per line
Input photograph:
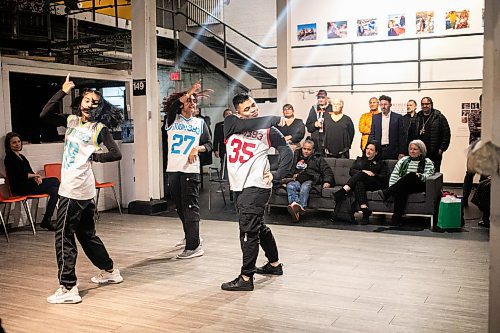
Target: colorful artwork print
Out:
[306,32]
[457,19]
[425,22]
[396,25]
[337,29]
[367,27]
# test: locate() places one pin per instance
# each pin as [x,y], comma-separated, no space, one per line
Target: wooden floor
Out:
[334,281]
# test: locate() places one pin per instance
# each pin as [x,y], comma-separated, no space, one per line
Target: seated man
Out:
[308,169]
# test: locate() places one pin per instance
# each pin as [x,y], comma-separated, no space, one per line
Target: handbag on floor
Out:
[450,213]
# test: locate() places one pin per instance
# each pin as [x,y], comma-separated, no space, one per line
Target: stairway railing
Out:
[192,8]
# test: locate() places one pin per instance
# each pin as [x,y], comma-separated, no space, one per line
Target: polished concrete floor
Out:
[337,279]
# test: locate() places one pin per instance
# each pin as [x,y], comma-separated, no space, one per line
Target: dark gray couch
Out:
[420,204]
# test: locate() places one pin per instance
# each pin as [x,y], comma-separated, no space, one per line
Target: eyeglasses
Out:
[426,103]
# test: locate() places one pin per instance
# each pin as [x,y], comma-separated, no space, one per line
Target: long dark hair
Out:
[9,137]
[105,113]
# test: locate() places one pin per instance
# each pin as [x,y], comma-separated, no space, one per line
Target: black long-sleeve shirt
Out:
[18,168]
[49,115]
[297,130]
[219,139]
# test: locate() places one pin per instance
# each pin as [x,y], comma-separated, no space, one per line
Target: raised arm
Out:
[48,113]
[233,124]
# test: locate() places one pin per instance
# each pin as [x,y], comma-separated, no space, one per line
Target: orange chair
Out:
[33,197]
[100,186]
[7,202]
[53,170]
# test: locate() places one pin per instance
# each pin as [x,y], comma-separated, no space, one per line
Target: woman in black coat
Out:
[24,181]
[368,173]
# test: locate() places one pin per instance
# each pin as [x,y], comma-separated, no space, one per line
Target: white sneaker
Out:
[188,254]
[65,296]
[182,243]
[107,277]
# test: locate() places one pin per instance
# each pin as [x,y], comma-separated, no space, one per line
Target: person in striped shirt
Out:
[409,176]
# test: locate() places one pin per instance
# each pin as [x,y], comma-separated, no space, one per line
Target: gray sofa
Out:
[419,204]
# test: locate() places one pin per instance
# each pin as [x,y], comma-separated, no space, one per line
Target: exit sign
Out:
[175,76]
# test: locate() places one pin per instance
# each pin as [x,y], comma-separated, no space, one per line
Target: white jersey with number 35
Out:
[247,159]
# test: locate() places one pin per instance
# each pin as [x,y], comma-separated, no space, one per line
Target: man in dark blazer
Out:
[388,130]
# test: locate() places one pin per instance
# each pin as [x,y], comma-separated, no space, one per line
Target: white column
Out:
[145,109]
[491,132]
[283,56]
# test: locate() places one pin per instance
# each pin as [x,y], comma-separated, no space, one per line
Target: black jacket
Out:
[17,171]
[397,138]
[219,139]
[317,169]
[379,168]
[296,129]
[316,136]
[437,132]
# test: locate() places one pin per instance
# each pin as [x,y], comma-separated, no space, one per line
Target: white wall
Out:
[337,79]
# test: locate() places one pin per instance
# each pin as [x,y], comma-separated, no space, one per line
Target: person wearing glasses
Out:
[433,129]
[314,122]
[294,129]
[188,136]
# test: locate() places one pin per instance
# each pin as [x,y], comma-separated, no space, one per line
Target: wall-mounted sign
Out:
[139,87]
[175,76]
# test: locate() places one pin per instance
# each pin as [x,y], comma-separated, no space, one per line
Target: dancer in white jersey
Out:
[86,130]
[247,145]
[187,137]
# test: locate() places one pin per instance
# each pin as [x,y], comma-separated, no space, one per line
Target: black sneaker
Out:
[269,269]
[238,284]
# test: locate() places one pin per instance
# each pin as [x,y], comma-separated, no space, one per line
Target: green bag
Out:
[450,215]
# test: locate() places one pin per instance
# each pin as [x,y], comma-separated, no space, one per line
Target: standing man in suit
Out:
[388,130]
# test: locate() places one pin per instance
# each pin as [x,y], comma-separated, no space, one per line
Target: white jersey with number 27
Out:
[247,160]
[183,135]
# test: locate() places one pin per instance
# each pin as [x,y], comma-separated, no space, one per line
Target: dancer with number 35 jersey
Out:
[248,140]
[187,137]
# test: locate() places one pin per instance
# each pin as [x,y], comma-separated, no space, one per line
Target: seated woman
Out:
[308,169]
[368,173]
[23,180]
[409,176]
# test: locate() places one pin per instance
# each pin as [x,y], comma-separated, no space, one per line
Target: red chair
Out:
[52,170]
[100,186]
[7,201]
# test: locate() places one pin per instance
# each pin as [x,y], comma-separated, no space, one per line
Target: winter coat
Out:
[313,168]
